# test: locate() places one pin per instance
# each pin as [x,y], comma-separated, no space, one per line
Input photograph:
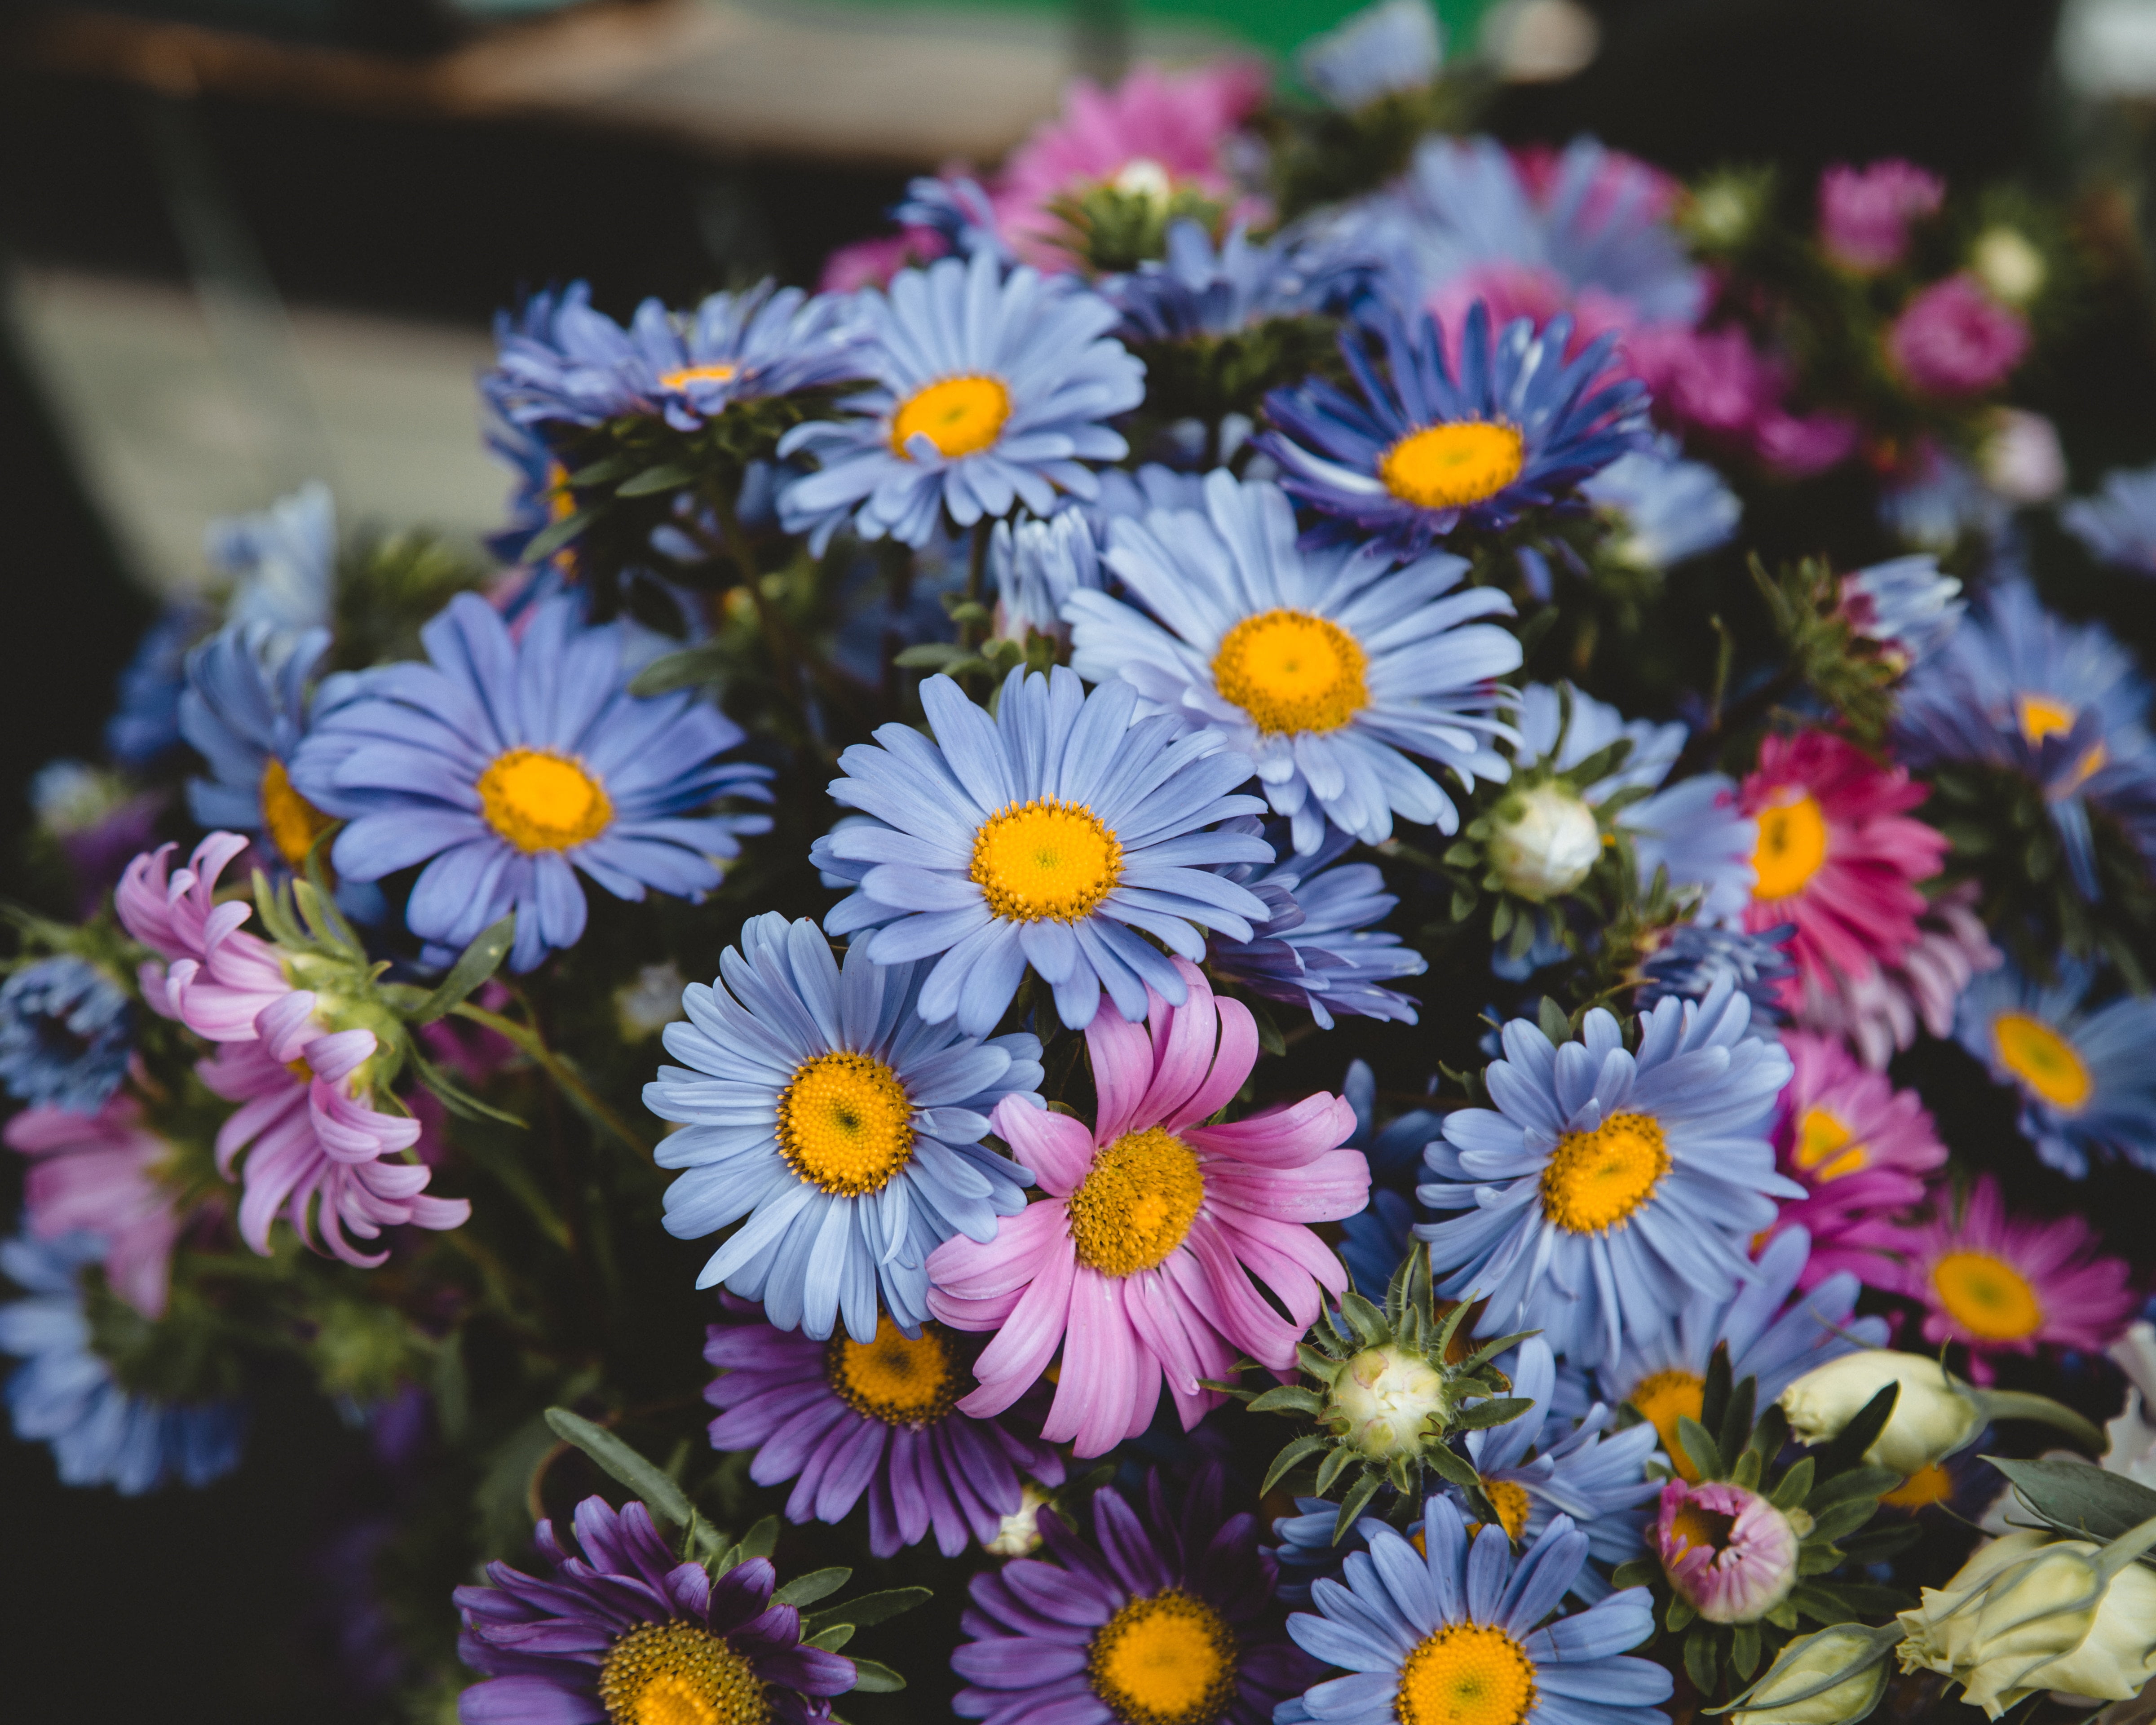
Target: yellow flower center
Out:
[899,1380]
[1137,1203]
[1045,859]
[292,821]
[676,1674]
[1987,1296]
[1695,1524]
[1451,466]
[561,495]
[1466,1674]
[1664,1399]
[961,416]
[845,1123]
[1169,1659]
[2041,716]
[1824,1148]
[1509,1498]
[1929,1484]
[718,371]
[539,800]
[1792,846]
[2042,1059]
[1597,1179]
[1291,672]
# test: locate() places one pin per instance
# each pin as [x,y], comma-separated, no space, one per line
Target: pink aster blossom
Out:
[1955,339]
[1728,1552]
[1864,213]
[1716,381]
[217,976]
[1859,1148]
[98,1172]
[1139,1261]
[872,263]
[1880,1012]
[2000,1284]
[1838,856]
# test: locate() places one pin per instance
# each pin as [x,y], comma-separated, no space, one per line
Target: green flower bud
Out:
[1834,1678]
[1386,1397]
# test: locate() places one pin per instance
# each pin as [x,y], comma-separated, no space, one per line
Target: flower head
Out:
[1696,957]
[281,561]
[508,766]
[1953,339]
[1864,213]
[1609,1187]
[97,1173]
[2118,524]
[244,711]
[1386,50]
[1934,1414]
[1139,1259]
[1665,509]
[146,720]
[1728,1552]
[821,1106]
[619,1628]
[1329,669]
[1905,605]
[1202,290]
[1048,835]
[1876,1014]
[66,1033]
[1038,566]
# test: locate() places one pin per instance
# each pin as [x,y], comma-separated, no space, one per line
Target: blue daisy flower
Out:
[244,712]
[1415,1632]
[959,210]
[1905,604]
[1665,509]
[1697,957]
[1198,289]
[1319,949]
[507,767]
[2087,1086]
[2061,704]
[1037,566]
[66,1032]
[991,390]
[147,720]
[2118,524]
[1608,1186]
[1387,49]
[1423,452]
[1328,668]
[539,497]
[1939,500]
[1057,834]
[281,561]
[821,1106]
[64,1392]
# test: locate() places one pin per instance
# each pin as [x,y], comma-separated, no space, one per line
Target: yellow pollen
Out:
[1792,846]
[717,373]
[301,1072]
[2041,716]
[292,822]
[896,1379]
[1510,1500]
[1693,1524]
[2043,1060]
[1824,1148]
[561,495]
[1663,1400]
[961,416]
[1451,466]
[1169,1659]
[1046,859]
[1466,1674]
[676,1674]
[1290,671]
[845,1123]
[1987,1296]
[1929,1484]
[1597,1179]
[1137,1202]
[539,800]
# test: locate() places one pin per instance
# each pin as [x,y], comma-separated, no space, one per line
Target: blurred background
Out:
[244,244]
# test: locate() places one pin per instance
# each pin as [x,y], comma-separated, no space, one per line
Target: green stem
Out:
[593,1106]
[977,569]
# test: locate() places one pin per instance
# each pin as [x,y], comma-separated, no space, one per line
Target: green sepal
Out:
[816,1584]
[1706,1456]
[872,1676]
[1288,1398]
[869,1609]
[1354,1503]
[477,963]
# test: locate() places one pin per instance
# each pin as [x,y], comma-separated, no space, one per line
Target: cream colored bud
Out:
[2020,458]
[1018,1534]
[1833,1677]
[2008,263]
[1934,1415]
[1387,1395]
[1544,841]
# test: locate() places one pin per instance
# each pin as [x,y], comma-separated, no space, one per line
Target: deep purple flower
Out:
[625,1630]
[1166,1616]
[877,1419]
[1955,339]
[1864,213]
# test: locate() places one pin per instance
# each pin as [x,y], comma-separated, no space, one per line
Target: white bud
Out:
[1141,176]
[650,1003]
[1933,1416]
[2007,264]
[1387,1395]
[2020,458]
[1543,840]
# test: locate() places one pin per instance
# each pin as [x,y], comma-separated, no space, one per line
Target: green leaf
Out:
[760,1539]
[456,1099]
[1288,1398]
[477,963]
[1638,1572]
[1795,1484]
[1706,1456]
[1714,1394]
[870,1609]
[1333,1465]
[871,1677]
[1354,1503]
[552,537]
[660,1495]
[676,671]
[1498,1410]
[830,1640]
[1700,1659]
[1744,1649]
[1844,1517]
[1489,1350]
[1291,1457]
[662,478]
[931,655]
[1450,1465]
[1846,1449]
[1878,1543]
[2079,1497]
[1857,1482]
[816,1584]
[1367,1322]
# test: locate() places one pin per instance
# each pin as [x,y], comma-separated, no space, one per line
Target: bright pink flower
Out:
[1838,856]
[96,1171]
[2002,1284]
[1796,448]
[872,263]
[1955,339]
[1859,1147]
[1531,291]
[220,977]
[1728,1552]
[1139,1261]
[1879,1012]
[1714,380]
[1864,213]
[1642,192]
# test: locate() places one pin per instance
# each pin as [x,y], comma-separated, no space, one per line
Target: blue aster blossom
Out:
[958,209]
[1424,450]
[509,767]
[1198,290]
[64,1393]
[822,1108]
[1329,668]
[1053,834]
[1609,1186]
[1411,1631]
[1037,566]
[1696,957]
[1387,49]
[146,722]
[991,390]
[2118,524]
[281,561]
[2087,1084]
[1665,509]
[1940,499]
[66,1031]
[1905,604]
[244,711]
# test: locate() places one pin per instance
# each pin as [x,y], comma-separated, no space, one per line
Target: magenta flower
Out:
[1955,339]
[1139,1261]
[97,1172]
[1730,1554]
[1880,1012]
[217,977]
[1864,213]
[1716,382]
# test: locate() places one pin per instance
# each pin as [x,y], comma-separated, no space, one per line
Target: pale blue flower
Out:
[1386,50]
[1667,509]
[2118,524]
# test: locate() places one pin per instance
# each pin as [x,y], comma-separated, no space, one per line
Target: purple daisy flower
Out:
[1172,1617]
[623,1630]
[877,1419]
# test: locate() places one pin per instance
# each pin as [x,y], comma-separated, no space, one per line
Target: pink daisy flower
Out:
[98,1172]
[1838,857]
[1139,1261]
[1955,339]
[1858,1147]
[217,977]
[1728,1552]
[1865,214]
[1877,1014]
